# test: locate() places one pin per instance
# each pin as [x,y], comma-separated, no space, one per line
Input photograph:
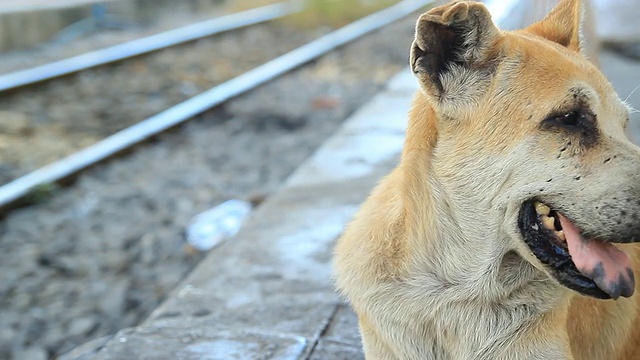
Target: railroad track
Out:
[18,79]
[12,192]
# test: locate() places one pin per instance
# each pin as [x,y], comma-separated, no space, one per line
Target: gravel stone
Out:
[82,326]
[7,334]
[14,123]
[33,353]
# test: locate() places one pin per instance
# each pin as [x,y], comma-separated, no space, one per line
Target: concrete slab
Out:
[341,328]
[328,349]
[201,343]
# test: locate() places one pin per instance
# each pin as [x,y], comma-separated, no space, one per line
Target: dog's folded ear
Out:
[562,25]
[453,50]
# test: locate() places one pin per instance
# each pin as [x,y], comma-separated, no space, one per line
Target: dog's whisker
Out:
[632,110]
[632,92]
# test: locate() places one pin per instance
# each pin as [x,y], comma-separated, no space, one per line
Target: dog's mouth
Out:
[589,266]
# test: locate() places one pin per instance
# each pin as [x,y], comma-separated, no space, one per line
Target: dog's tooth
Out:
[560,235]
[542,208]
[548,222]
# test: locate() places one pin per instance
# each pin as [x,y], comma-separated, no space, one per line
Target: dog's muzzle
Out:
[591,267]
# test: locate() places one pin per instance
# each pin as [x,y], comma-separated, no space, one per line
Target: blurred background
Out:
[96,252]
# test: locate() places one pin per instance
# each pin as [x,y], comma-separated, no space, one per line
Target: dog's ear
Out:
[453,50]
[562,25]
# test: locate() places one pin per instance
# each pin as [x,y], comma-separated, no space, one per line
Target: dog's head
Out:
[531,142]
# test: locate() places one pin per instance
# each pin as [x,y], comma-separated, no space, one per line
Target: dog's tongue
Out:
[606,265]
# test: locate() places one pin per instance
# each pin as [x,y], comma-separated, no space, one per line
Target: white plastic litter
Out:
[208,229]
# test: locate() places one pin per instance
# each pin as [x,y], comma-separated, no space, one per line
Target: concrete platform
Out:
[268,294]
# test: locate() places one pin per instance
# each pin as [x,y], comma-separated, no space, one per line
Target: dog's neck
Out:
[464,270]
[454,221]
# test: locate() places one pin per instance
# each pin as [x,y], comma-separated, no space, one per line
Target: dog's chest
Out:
[477,332]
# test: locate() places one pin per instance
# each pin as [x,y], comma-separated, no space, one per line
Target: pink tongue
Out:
[606,265]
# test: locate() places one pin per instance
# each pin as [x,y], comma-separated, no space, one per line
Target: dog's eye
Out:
[569,119]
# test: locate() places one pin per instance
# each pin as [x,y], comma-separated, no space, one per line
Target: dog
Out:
[507,229]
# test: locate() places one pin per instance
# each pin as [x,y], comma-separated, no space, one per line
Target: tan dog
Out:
[492,238]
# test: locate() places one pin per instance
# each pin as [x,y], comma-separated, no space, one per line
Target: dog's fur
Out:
[434,263]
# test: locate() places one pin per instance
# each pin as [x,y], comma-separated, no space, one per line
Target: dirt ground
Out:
[100,255]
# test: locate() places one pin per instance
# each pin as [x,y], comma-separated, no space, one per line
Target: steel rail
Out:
[175,115]
[145,45]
